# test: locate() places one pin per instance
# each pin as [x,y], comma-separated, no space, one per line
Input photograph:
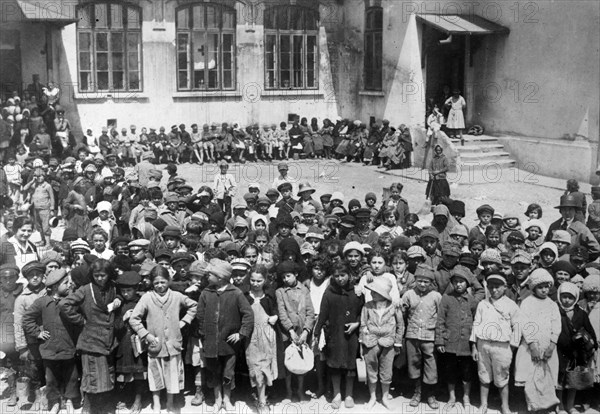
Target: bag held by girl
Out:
[299,359]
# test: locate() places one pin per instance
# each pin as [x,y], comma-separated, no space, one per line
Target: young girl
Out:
[493,239]
[390,219]
[296,315]
[547,256]
[161,309]
[573,319]
[261,353]
[381,331]
[510,223]
[99,239]
[536,231]
[591,304]
[340,312]
[534,212]
[92,307]
[541,327]
[131,367]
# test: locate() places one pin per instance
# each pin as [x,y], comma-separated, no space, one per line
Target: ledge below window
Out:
[371,93]
[122,97]
[291,93]
[206,94]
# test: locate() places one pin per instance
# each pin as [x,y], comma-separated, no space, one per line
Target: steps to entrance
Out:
[482,152]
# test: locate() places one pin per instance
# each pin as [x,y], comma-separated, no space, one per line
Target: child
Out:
[485,213]
[224,332]
[421,305]
[224,186]
[574,320]
[296,315]
[493,239]
[538,345]
[131,365]
[591,304]
[377,268]
[99,239]
[491,348]
[105,221]
[92,307]
[43,320]
[547,255]
[13,177]
[404,279]
[390,223]
[381,329]
[453,329]
[28,346]
[510,223]
[10,290]
[42,198]
[340,311]
[261,353]
[535,230]
[161,311]
[534,212]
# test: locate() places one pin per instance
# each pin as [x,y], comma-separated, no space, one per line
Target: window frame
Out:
[206,32]
[94,30]
[373,51]
[278,34]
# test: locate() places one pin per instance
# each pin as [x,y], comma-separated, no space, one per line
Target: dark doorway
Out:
[10,56]
[444,63]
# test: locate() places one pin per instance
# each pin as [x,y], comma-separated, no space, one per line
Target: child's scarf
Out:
[568,287]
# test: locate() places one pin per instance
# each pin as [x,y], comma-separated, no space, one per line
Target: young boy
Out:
[224,187]
[42,198]
[43,320]
[495,331]
[485,213]
[421,305]
[222,333]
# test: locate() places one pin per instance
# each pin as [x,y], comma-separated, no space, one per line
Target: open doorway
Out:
[444,65]
[10,56]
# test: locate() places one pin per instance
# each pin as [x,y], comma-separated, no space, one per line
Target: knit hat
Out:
[521,256]
[315,232]
[539,276]
[30,268]
[172,231]
[80,244]
[353,245]
[451,248]
[198,268]
[217,218]
[457,208]
[561,236]
[382,286]
[516,236]
[401,242]
[104,206]
[461,272]
[591,283]
[353,203]
[496,276]
[491,256]
[52,256]
[286,220]
[219,268]
[287,267]
[129,279]
[416,251]
[240,264]
[301,229]
[370,196]
[55,277]
[535,223]
[337,195]
[565,266]
[424,271]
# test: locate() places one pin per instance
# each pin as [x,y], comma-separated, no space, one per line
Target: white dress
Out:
[456,119]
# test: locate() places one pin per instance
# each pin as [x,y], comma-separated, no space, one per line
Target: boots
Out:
[41,398]
[23,390]
[199,397]
[12,387]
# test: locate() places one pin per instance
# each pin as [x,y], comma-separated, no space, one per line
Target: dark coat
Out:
[126,362]
[98,335]
[46,312]
[220,314]
[339,307]
[7,318]
[454,322]
[565,346]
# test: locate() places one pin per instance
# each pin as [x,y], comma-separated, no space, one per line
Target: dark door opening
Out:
[444,65]
[10,56]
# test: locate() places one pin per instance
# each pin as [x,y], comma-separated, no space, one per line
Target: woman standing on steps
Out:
[456,118]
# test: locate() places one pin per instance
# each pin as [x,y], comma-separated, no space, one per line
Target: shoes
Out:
[198,398]
[349,402]
[415,400]
[336,402]
[432,403]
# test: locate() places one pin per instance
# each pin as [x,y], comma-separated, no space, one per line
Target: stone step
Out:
[472,138]
[484,155]
[487,163]
[483,147]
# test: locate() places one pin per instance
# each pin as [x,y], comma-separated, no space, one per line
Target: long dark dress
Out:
[127,363]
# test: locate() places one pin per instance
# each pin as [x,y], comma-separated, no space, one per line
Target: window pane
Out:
[102,61]
[297,62]
[134,80]
[101,15]
[117,61]
[297,18]
[116,16]
[118,81]
[270,17]
[85,61]
[84,17]
[116,42]
[102,80]
[182,18]
[211,17]
[199,52]
[183,79]
[85,81]
[311,61]
[227,79]
[213,58]
[227,51]
[133,41]
[183,60]
[198,17]
[284,61]
[283,18]
[133,18]
[228,19]
[85,41]
[311,19]
[133,61]
[101,42]
[270,53]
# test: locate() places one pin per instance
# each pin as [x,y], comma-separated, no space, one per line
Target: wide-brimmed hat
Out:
[304,187]
[382,286]
[569,200]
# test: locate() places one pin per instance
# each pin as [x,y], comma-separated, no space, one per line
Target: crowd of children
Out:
[157,286]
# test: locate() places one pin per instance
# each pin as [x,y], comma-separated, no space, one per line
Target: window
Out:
[205,47]
[291,48]
[373,49]
[109,47]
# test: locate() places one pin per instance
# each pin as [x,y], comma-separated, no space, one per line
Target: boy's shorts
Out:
[421,360]
[221,370]
[493,362]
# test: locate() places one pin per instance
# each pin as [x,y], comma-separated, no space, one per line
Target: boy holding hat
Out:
[223,332]
[491,348]
[421,305]
[57,338]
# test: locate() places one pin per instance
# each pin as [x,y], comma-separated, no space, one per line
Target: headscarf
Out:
[568,287]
